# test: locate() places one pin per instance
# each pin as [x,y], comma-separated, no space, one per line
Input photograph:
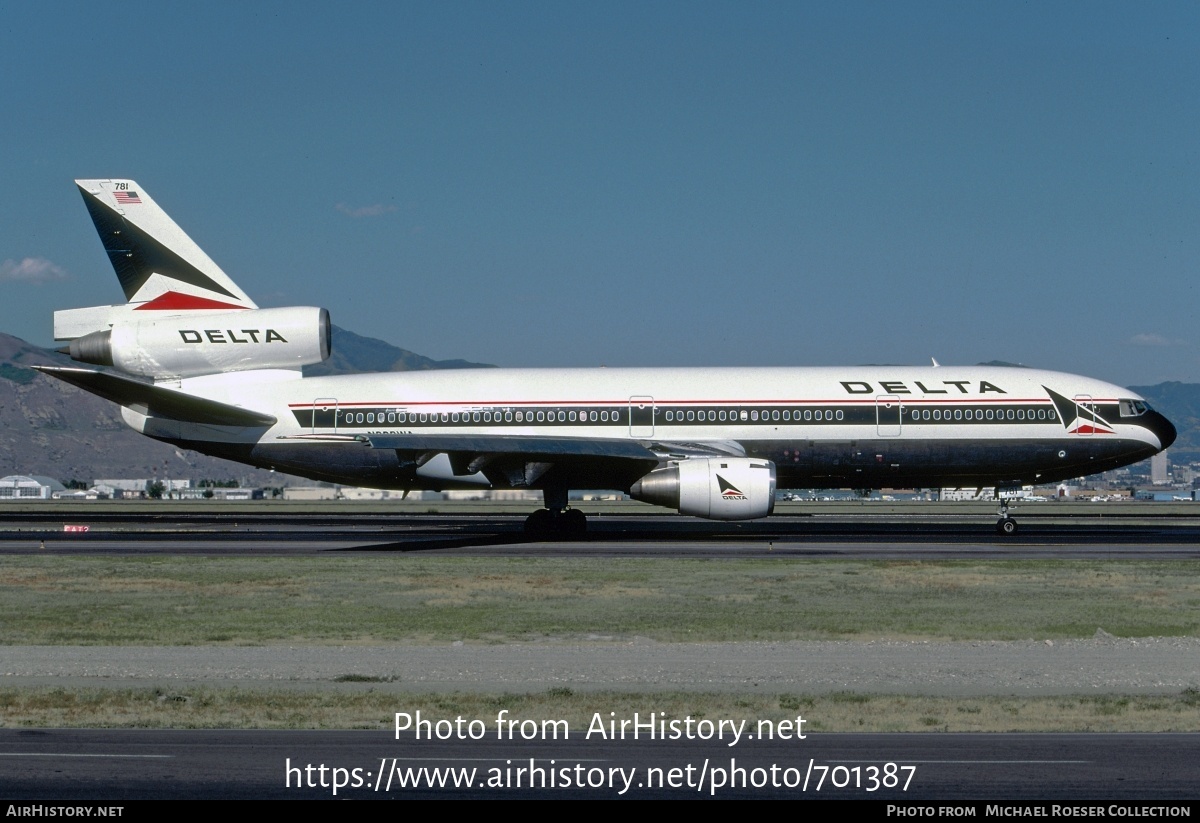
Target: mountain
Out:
[355,354]
[1180,402]
[50,428]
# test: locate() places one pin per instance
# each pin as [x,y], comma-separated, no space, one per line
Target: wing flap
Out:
[158,400]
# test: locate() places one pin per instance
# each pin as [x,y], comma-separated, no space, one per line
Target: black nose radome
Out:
[1162,428]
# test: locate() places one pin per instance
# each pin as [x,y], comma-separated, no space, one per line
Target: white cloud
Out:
[1153,340]
[365,211]
[30,270]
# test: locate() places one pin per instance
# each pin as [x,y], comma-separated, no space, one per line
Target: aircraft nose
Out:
[1163,428]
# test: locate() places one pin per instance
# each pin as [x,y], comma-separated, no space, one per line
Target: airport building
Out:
[138,485]
[218,493]
[28,487]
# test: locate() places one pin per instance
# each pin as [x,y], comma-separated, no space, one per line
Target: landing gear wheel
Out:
[545,523]
[540,523]
[573,522]
[1006,526]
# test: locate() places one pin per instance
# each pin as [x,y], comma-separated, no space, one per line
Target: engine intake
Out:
[719,488]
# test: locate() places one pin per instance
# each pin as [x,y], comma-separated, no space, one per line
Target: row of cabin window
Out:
[753,415]
[690,416]
[982,414]
[552,416]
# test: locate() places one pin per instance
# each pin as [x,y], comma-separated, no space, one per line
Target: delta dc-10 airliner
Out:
[194,362]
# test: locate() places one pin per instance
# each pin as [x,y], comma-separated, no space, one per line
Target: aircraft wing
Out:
[158,400]
[521,461]
[526,446]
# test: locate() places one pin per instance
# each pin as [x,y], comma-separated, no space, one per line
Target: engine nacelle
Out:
[196,343]
[719,488]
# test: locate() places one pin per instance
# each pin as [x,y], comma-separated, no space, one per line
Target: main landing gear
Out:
[1006,526]
[556,520]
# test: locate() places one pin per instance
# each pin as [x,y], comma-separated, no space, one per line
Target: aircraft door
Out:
[887,415]
[325,415]
[641,416]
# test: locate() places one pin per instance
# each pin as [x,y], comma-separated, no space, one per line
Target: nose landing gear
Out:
[1006,526]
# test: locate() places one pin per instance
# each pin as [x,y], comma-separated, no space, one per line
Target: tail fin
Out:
[159,266]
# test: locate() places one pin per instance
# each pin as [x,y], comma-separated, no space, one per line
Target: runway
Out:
[118,765]
[865,536]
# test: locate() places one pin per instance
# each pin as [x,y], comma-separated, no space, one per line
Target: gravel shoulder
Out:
[1101,665]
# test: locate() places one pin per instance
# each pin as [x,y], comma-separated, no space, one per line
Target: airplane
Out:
[193,361]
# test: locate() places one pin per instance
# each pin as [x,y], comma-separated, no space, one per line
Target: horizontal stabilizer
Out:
[548,447]
[157,400]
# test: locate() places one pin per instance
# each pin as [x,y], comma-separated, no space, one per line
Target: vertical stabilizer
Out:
[159,266]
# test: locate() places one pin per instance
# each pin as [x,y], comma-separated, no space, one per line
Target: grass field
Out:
[71,600]
[186,600]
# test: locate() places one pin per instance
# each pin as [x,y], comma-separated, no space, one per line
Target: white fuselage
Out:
[823,426]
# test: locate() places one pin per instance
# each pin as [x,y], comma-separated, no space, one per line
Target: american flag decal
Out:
[125,198]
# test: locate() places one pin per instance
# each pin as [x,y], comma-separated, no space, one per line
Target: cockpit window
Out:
[1133,408]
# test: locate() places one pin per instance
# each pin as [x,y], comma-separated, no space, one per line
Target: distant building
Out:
[984,493]
[140,484]
[1160,469]
[28,487]
[218,493]
[357,493]
[309,493]
[1155,494]
[511,495]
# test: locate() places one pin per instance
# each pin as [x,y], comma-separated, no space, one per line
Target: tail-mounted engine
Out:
[195,343]
[719,488]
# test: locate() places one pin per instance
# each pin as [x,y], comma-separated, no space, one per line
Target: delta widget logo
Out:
[729,491]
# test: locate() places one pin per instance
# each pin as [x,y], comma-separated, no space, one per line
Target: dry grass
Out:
[388,599]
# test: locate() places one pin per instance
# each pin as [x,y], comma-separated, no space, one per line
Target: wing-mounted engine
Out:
[196,343]
[719,488]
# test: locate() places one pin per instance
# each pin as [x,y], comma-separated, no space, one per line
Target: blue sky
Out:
[638,184]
